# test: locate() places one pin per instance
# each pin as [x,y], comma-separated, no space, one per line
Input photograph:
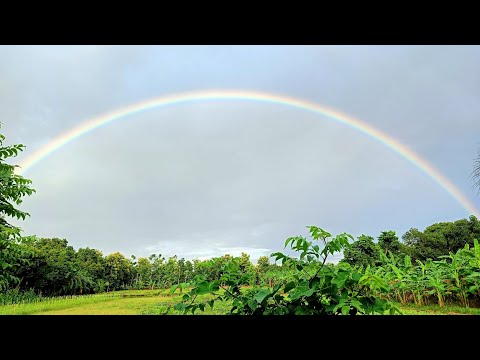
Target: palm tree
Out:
[476,172]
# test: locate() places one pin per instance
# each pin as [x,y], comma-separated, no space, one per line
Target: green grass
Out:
[219,308]
[47,304]
[128,302]
[412,309]
[118,306]
[153,302]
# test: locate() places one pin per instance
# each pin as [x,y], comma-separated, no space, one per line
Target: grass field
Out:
[437,310]
[131,302]
[151,302]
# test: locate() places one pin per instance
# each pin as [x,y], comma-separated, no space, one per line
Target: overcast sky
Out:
[209,178]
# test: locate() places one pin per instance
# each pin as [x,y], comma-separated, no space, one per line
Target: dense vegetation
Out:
[12,188]
[369,274]
[52,267]
[440,265]
[314,288]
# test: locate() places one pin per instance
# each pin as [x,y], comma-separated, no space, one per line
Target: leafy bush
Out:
[328,290]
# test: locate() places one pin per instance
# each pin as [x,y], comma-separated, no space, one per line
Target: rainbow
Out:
[210,95]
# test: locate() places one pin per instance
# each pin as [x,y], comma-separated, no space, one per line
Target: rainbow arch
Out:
[211,95]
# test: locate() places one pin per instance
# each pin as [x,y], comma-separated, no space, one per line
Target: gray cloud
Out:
[201,179]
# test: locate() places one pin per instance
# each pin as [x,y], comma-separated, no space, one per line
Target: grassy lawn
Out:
[119,306]
[412,309]
[129,302]
[152,302]
[54,304]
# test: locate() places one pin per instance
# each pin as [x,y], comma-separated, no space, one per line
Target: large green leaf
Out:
[180,307]
[345,310]
[211,303]
[300,292]
[203,288]
[261,295]
[340,278]
[357,304]
[289,286]
[252,304]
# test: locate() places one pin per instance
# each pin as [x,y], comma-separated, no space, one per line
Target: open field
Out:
[412,309]
[151,302]
[131,302]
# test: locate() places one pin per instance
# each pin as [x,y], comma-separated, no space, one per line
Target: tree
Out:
[92,262]
[188,271]
[54,269]
[247,268]
[426,245]
[388,241]
[441,238]
[13,188]
[362,252]
[181,270]
[474,226]
[158,270]
[245,263]
[119,271]
[263,264]
[144,273]
[171,271]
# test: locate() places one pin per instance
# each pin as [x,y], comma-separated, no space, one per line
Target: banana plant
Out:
[455,270]
[437,285]
[401,281]
[422,281]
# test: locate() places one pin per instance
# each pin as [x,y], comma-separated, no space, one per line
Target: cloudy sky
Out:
[207,178]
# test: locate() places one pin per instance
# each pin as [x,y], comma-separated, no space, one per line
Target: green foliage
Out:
[362,253]
[316,288]
[388,242]
[442,238]
[263,265]
[453,278]
[154,302]
[15,296]
[13,188]
[53,268]
[118,271]
[93,265]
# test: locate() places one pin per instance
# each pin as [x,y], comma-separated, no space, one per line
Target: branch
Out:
[323,263]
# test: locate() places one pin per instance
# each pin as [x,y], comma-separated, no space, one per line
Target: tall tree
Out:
[55,269]
[119,271]
[441,238]
[144,273]
[263,264]
[92,262]
[13,188]
[362,252]
[246,267]
[388,241]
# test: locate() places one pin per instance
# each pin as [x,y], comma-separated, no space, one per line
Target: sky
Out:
[203,179]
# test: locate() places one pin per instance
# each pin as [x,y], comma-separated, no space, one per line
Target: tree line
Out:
[50,266]
[435,241]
